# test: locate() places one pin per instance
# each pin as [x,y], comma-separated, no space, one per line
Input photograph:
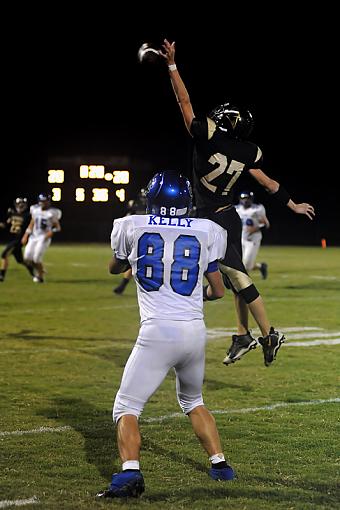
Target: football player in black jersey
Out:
[137,206]
[221,155]
[17,222]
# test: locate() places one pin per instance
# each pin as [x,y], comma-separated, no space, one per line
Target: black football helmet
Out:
[20,204]
[232,119]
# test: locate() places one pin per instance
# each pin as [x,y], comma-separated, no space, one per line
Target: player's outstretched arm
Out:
[181,93]
[278,191]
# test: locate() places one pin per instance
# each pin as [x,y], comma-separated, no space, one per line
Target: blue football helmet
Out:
[232,119]
[44,197]
[169,194]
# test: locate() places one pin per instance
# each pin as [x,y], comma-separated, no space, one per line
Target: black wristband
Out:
[282,195]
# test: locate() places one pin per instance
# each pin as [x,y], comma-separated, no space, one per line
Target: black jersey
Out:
[218,161]
[17,222]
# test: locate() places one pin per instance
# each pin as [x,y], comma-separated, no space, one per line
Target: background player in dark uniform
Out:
[221,155]
[137,206]
[17,221]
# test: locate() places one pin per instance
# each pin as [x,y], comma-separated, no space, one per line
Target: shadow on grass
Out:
[214,384]
[29,334]
[229,491]
[98,430]
[94,425]
[100,447]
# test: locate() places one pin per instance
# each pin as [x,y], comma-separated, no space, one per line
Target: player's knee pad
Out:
[124,404]
[249,294]
[238,278]
[189,402]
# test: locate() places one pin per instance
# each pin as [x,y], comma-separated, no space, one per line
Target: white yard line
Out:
[291,333]
[6,503]
[158,419]
[312,343]
[39,430]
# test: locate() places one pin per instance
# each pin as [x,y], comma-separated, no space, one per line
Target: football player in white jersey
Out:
[169,254]
[254,218]
[38,236]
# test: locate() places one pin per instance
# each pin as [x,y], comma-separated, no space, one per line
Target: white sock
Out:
[130,464]
[218,457]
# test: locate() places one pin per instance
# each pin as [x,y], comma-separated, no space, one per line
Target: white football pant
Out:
[160,346]
[36,248]
[249,253]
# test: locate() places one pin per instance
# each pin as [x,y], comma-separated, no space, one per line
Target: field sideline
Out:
[63,347]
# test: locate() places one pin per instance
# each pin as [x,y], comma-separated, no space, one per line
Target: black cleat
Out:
[121,287]
[264,270]
[30,269]
[241,344]
[38,279]
[270,345]
[127,484]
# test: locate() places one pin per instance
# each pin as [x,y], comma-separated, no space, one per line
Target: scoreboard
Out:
[95,184]
[92,191]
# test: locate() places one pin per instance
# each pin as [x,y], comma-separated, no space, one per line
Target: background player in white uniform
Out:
[253,218]
[44,223]
[169,254]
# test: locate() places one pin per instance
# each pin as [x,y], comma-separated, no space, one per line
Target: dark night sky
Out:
[73,85]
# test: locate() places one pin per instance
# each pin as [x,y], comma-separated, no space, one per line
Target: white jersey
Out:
[169,257]
[43,219]
[251,216]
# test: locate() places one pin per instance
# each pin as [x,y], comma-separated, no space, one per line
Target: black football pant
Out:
[234,273]
[14,248]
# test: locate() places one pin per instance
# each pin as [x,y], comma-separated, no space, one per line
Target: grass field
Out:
[64,344]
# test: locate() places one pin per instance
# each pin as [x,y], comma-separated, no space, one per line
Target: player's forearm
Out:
[178,87]
[215,289]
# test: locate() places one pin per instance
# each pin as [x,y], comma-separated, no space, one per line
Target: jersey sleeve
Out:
[57,214]
[261,211]
[218,244]
[120,243]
